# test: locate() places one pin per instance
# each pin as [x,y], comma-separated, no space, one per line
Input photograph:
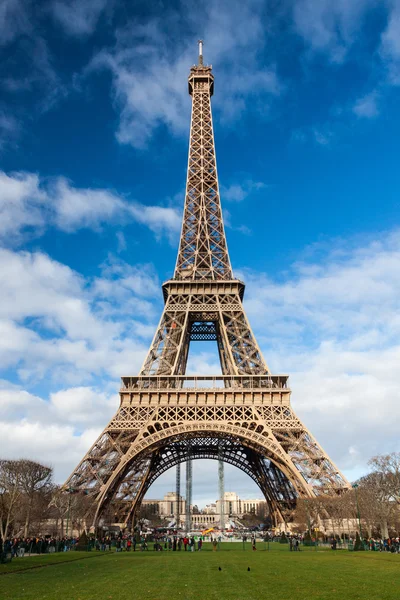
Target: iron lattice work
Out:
[243,416]
[203,253]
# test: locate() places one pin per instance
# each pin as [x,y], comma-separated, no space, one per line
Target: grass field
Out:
[277,574]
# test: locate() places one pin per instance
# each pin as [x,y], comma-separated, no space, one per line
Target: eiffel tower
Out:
[242,417]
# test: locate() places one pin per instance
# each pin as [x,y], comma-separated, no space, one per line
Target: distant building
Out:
[166,508]
[209,516]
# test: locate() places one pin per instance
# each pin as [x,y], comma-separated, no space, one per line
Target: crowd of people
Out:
[374,544]
[18,547]
[385,545]
[157,542]
[176,542]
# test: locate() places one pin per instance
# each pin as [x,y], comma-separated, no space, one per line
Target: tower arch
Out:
[142,464]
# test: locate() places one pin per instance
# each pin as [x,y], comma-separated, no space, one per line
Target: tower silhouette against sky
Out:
[242,417]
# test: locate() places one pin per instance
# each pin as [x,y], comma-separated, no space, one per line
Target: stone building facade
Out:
[234,509]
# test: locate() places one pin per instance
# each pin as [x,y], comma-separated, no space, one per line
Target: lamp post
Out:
[355,486]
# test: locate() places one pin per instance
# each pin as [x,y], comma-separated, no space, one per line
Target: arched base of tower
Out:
[125,499]
[156,428]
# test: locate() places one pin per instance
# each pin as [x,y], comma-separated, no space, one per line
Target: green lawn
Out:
[278,574]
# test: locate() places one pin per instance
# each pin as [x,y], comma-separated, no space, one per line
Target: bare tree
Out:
[300,516]
[60,504]
[308,512]
[334,512]
[82,512]
[75,509]
[388,468]
[35,482]
[10,493]
[376,501]
[347,503]
[250,519]
[262,511]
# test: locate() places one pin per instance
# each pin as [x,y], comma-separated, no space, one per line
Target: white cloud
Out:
[34,286]
[122,278]
[7,123]
[54,322]
[390,44]
[79,17]
[330,27]
[84,405]
[20,22]
[79,208]
[22,204]
[237,192]
[78,406]
[203,362]
[229,224]
[321,134]
[9,128]
[57,431]
[54,445]
[149,72]
[367,106]
[121,241]
[13,19]
[390,37]
[28,204]
[335,28]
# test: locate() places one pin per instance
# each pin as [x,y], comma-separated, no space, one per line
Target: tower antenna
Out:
[200,53]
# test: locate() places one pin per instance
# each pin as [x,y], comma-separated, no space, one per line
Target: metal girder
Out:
[189,487]
[178,494]
[221,488]
[203,332]
[243,417]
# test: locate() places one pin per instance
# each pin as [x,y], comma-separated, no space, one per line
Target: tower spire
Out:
[200,42]
[203,252]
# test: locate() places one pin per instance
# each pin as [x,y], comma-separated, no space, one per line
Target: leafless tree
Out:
[60,504]
[308,512]
[388,468]
[10,493]
[76,509]
[334,510]
[150,513]
[376,501]
[262,511]
[250,519]
[35,483]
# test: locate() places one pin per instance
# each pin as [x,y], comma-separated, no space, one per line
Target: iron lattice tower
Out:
[244,416]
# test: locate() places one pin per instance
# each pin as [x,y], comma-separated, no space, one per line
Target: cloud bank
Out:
[29,204]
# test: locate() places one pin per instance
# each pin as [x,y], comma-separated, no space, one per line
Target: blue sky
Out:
[94,120]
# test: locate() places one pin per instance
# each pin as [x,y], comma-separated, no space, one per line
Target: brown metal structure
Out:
[243,416]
